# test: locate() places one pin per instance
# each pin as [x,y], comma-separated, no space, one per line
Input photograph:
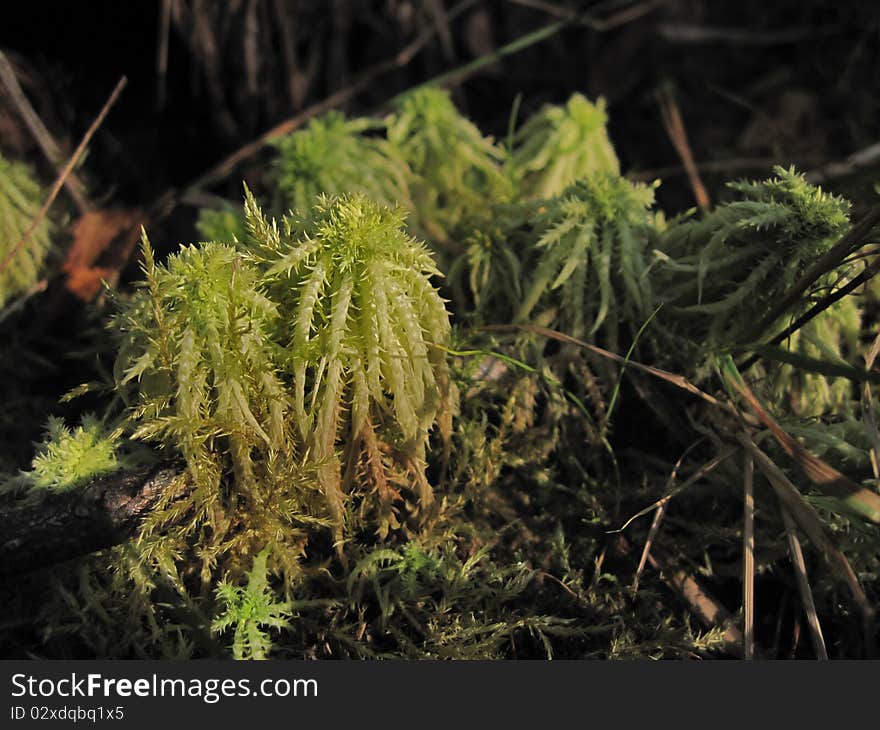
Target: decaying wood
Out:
[60,526]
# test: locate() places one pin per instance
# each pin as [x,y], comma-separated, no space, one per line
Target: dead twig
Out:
[701,603]
[59,526]
[806,593]
[65,172]
[38,131]
[699,474]
[675,129]
[856,162]
[709,610]
[748,558]
[734,164]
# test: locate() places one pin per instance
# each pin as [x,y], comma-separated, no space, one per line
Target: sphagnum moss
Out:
[592,257]
[363,332]
[20,201]
[456,171]
[299,366]
[316,347]
[561,145]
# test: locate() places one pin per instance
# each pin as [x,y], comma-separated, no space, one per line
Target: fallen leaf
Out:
[103,241]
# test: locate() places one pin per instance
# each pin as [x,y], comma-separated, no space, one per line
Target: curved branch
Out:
[66,525]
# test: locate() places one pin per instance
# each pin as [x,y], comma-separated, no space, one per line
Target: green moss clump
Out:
[20,202]
[298,374]
[364,331]
[457,172]
[593,239]
[337,155]
[198,365]
[561,145]
[68,458]
[727,269]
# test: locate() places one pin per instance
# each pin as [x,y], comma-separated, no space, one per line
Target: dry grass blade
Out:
[800,570]
[38,131]
[65,172]
[748,558]
[870,271]
[649,541]
[675,130]
[699,474]
[825,477]
[868,414]
[677,380]
[811,523]
[704,606]
[658,517]
[829,261]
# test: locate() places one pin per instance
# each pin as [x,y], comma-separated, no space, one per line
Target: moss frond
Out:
[592,257]
[20,201]
[68,458]
[744,254]
[197,341]
[337,155]
[251,610]
[456,170]
[560,145]
[362,322]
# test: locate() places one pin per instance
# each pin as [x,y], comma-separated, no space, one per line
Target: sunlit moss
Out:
[20,200]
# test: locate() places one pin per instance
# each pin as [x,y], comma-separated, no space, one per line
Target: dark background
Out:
[793,81]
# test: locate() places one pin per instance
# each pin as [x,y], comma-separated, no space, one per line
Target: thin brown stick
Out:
[678,380]
[702,604]
[673,123]
[856,162]
[806,593]
[649,541]
[699,474]
[724,165]
[658,517]
[68,168]
[811,523]
[699,601]
[38,131]
[748,557]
